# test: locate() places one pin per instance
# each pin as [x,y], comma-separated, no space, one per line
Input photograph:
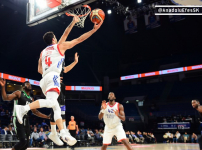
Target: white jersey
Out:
[110,119]
[52,59]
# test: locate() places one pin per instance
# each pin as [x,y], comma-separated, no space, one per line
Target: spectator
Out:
[34,136]
[1,107]
[42,135]
[38,126]
[177,136]
[97,135]
[10,131]
[4,131]
[165,138]
[90,138]
[171,138]
[194,138]
[48,132]
[0,128]
[3,113]
[135,138]
[44,124]
[186,137]
[140,136]
[153,138]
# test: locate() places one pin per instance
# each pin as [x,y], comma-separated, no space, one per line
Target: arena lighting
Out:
[139,1]
[109,11]
[162,72]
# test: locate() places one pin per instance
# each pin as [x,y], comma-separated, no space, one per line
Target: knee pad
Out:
[57,112]
[52,116]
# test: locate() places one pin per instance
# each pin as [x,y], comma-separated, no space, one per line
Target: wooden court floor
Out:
[135,147]
[145,147]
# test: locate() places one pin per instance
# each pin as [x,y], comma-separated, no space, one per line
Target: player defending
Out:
[50,66]
[196,105]
[21,98]
[112,114]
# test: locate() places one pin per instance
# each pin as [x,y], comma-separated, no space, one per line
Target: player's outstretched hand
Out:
[97,26]
[76,19]
[76,57]
[2,82]
[104,105]
[116,112]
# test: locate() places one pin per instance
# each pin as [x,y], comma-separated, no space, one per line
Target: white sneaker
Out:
[55,139]
[68,139]
[20,112]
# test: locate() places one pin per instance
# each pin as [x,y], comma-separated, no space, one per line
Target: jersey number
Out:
[48,61]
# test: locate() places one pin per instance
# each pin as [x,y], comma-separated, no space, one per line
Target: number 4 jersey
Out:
[52,59]
[110,119]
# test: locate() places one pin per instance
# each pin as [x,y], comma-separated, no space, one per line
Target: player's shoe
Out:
[55,139]
[20,112]
[68,139]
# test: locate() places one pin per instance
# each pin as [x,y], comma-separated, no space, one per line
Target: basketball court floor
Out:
[135,147]
[144,147]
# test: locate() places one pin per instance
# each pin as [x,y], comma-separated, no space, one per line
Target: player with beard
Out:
[196,105]
[21,98]
[112,114]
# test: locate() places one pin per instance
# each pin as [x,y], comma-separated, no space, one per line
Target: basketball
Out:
[97,15]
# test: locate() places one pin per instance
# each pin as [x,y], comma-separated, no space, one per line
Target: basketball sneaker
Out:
[55,139]
[66,137]
[20,112]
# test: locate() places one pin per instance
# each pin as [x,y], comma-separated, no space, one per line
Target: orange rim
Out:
[87,6]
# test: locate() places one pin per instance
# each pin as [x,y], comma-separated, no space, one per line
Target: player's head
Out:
[195,103]
[111,96]
[72,118]
[27,86]
[49,38]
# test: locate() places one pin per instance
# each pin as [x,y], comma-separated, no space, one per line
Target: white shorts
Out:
[50,82]
[109,133]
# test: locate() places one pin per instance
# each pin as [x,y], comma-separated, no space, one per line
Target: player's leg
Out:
[107,137]
[53,135]
[121,136]
[27,131]
[21,133]
[200,142]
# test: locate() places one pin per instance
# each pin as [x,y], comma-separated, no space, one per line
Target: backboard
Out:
[39,11]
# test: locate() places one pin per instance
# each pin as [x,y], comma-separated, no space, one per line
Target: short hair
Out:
[48,37]
[196,100]
[23,84]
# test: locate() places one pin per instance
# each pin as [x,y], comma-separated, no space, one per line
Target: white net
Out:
[82,12]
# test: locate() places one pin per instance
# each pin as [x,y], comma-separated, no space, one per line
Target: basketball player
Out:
[196,105]
[21,98]
[112,114]
[50,65]
[61,99]
[73,128]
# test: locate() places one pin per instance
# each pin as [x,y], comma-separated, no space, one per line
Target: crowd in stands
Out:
[180,138]
[140,138]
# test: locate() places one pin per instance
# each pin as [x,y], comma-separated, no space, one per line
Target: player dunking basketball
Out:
[196,105]
[112,114]
[50,66]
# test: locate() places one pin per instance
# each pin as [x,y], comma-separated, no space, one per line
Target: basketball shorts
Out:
[50,82]
[118,131]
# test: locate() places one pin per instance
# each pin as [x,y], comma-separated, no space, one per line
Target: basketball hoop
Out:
[82,12]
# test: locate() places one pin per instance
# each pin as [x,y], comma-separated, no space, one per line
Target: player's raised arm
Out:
[68,30]
[103,107]
[8,97]
[70,44]
[120,113]
[40,70]
[69,67]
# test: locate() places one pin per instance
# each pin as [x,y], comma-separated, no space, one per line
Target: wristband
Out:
[102,111]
